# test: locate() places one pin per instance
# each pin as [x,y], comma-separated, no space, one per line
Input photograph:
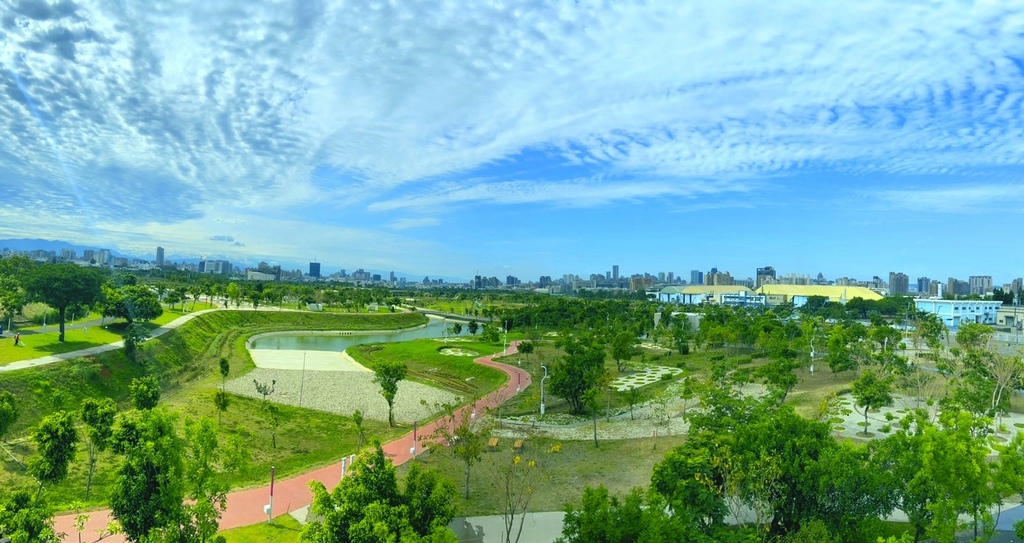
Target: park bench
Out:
[492,444]
[517,445]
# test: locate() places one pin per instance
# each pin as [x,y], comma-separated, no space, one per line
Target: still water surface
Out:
[434,329]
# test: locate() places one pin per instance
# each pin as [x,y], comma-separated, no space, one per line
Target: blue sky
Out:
[522,138]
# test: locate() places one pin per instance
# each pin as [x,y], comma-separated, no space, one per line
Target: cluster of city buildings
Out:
[948,299]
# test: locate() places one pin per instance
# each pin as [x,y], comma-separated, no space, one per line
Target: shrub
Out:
[685,349]
[717,357]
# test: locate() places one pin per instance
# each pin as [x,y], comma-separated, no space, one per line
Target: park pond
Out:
[339,341]
[312,369]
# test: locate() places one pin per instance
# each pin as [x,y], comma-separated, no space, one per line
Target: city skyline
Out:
[853,140]
[975,284]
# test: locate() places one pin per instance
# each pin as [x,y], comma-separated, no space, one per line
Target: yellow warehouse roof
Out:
[833,293]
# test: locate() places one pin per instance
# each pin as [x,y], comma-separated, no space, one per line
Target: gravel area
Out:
[343,392]
[648,420]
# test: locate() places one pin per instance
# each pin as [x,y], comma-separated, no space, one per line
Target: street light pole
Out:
[545,378]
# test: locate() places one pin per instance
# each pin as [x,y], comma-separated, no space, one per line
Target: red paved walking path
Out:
[245,507]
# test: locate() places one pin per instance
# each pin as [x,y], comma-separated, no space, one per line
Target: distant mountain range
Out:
[23,244]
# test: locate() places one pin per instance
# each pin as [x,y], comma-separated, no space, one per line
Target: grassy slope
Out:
[427,365]
[186,362]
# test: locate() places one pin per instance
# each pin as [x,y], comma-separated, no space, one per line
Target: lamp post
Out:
[545,378]
[812,355]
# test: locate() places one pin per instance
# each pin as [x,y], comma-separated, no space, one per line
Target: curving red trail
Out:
[245,507]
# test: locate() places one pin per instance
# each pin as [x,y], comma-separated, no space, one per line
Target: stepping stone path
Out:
[650,374]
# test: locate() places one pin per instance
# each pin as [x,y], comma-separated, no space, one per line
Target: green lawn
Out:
[284,529]
[427,365]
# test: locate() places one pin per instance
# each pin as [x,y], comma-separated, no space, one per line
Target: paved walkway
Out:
[245,507]
[42,361]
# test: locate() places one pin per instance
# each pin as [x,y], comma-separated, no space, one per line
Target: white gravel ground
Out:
[342,392]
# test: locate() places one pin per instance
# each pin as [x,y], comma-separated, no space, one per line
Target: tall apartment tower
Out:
[314,269]
[899,283]
[696,277]
[764,275]
[923,284]
[615,272]
[159,257]
[980,284]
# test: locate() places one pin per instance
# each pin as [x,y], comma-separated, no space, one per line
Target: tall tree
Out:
[62,285]
[148,484]
[368,506]
[12,297]
[131,303]
[98,415]
[387,375]
[623,348]
[577,371]
[871,392]
[56,440]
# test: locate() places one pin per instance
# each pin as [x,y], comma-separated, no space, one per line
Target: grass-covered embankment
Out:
[186,361]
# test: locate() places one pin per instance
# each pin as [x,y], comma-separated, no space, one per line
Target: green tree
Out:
[132,303]
[12,297]
[871,392]
[145,392]
[577,371]
[527,348]
[463,443]
[62,285]
[623,348]
[8,413]
[98,415]
[225,369]
[456,328]
[134,335]
[148,486]
[473,327]
[56,440]
[26,519]
[430,498]
[387,375]
[637,517]
[973,337]
[490,333]
[367,506]
[221,400]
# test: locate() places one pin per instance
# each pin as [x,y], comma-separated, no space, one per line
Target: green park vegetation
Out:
[185,361]
[773,454]
[428,366]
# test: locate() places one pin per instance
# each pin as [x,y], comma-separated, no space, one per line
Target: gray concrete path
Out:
[42,361]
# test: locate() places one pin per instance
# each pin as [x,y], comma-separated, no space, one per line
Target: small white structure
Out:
[956,312]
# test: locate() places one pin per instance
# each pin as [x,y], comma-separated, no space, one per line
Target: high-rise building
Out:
[956,287]
[716,278]
[923,284]
[314,270]
[103,257]
[159,257]
[980,284]
[899,283]
[67,255]
[671,277]
[1016,286]
[764,275]
[696,277]
[615,272]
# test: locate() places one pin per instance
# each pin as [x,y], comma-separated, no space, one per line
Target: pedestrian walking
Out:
[17,338]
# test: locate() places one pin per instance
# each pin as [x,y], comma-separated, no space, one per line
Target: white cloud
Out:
[417,222]
[185,113]
[953,199]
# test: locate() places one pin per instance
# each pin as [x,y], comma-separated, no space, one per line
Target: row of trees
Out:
[67,287]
